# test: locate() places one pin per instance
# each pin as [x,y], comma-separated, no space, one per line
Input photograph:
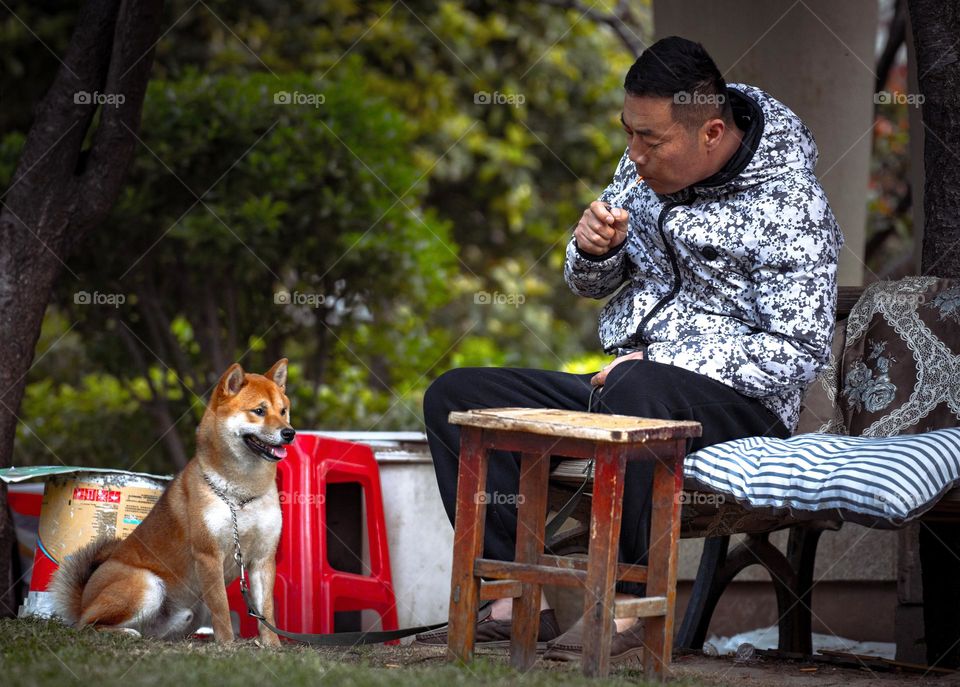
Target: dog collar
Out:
[223,494]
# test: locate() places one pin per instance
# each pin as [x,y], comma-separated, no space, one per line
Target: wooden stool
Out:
[612,441]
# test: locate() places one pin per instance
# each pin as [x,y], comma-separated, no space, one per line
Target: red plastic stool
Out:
[308,590]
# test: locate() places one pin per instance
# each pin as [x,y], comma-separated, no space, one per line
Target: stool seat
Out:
[573,424]
[610,442]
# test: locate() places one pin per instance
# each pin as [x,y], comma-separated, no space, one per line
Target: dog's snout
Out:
[287,434]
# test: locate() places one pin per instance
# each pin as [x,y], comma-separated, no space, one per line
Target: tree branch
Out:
[618,21]
[158,407]
[161,332]
[114,142]
[896,35]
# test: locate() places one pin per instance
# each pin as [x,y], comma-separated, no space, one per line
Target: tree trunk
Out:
[936,26]
[61,191]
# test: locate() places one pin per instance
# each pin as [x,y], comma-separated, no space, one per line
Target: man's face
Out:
[668,155]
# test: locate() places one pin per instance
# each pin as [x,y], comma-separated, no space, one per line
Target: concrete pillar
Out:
[817,56]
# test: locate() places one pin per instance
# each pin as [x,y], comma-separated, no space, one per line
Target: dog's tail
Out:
[72,575]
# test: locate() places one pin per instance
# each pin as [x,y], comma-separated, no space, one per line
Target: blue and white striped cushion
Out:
[881,481]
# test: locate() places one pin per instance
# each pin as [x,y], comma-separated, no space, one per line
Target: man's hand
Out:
[599,378]
[601,228]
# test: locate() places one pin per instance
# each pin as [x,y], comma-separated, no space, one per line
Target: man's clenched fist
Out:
[601,229]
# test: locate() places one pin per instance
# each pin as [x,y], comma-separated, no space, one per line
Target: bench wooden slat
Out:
[847,297]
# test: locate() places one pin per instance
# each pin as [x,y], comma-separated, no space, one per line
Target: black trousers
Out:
[634,387]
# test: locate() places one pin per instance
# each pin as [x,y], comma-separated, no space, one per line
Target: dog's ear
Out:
[278,374]
[232,381]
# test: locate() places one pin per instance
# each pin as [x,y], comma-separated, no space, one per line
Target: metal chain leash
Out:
[335,639]
[237,555]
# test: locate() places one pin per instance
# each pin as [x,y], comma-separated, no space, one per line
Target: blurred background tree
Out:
[413,221]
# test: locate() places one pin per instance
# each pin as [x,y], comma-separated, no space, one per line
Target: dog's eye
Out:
[283,411]
[259,411]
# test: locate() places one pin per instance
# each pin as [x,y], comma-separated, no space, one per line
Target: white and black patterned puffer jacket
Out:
[735,277]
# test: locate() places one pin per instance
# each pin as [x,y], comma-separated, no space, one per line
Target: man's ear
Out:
[278,374]
[713,132]
[232,381]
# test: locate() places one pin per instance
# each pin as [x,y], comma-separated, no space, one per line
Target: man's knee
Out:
[447,391]
[440,396]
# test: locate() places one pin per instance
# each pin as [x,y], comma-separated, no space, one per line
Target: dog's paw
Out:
[268,640]
[117,630]
[129,631]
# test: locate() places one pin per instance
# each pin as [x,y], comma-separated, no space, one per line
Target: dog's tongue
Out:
[279,451]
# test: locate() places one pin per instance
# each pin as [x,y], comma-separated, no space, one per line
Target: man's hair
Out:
[681,69]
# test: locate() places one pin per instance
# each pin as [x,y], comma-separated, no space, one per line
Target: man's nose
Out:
[287,434]
[638,158]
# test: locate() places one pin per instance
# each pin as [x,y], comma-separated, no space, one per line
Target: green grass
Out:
[37,652]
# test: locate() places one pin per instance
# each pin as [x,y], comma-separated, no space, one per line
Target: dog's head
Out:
[253,412]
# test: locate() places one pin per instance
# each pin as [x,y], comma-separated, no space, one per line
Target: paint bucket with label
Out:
[81,507]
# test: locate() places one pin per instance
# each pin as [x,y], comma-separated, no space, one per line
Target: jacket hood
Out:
[775,142]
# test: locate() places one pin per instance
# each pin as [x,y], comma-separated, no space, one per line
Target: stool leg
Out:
[467,544]
[602,565]
[531,518]
[662,559]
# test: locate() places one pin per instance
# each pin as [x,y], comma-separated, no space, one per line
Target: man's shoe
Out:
[492,633]
[623,645]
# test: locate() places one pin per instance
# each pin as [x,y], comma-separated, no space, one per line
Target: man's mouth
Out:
[271,452]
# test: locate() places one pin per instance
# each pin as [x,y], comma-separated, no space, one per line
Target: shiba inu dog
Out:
[168,577]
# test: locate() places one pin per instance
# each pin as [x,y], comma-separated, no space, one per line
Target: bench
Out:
[716,519]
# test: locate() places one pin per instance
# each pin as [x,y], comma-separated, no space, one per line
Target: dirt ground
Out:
[695,668]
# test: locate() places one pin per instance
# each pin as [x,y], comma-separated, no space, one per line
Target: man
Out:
[724,250]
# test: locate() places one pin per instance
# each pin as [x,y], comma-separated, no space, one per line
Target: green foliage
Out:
[10,147]
[431,221]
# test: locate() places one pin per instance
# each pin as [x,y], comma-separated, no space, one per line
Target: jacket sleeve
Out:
[795,289]
[597,276]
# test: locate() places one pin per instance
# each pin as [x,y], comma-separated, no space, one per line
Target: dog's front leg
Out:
[210,572]
[262,576]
